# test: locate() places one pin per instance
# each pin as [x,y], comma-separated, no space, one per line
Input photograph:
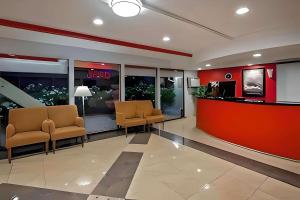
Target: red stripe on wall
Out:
[55,31]
[28,57]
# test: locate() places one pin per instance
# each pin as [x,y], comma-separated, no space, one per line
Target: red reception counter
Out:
[270,128]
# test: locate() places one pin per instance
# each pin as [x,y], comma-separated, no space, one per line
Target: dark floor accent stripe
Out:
[9,191]
[117,180]
[262,168]
[141,138]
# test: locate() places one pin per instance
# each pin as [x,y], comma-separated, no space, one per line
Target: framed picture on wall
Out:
[254,82]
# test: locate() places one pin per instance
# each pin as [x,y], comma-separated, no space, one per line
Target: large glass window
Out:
[140,83]
[103,81]
[171,91]
[26,83]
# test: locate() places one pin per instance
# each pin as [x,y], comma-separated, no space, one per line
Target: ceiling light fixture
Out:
[199,68]
[98,21]
[126,8]
[166,39]
[242,11]
[208,65]
[256,55]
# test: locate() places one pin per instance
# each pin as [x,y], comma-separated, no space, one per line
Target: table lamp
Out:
[82,91]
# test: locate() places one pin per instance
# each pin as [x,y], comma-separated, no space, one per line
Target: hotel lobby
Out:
[149,100]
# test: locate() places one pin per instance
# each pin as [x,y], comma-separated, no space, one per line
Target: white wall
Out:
[288,82]
[190,101]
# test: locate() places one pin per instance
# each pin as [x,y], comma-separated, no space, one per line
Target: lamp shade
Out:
[82,91]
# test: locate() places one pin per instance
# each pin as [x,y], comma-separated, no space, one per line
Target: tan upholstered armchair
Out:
[64,123]
[27,126]
[151,114]
[127,115]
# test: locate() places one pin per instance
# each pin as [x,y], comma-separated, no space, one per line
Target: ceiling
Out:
[270,24]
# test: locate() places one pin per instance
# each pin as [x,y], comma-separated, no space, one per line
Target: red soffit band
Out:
[55,31]
[2,55]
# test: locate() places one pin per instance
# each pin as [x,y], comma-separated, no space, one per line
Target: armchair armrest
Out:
[79,121]
[51,125]
[156,112]
[10,130]
[45,126]
[120,118]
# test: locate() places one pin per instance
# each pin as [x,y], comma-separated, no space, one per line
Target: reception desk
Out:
[273,128]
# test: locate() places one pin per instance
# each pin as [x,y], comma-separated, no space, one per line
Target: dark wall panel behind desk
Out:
[207,76]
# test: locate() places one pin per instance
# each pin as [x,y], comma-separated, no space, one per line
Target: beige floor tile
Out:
[236,184]
[148,188]
[5,169]
[258,195]
[28,171]
[187,127]
[280,190]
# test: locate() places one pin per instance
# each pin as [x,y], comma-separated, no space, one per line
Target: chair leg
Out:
[82,141]
[9,155]
[148,128]
[53,146]
[46,147]
[144,128]
[126,131]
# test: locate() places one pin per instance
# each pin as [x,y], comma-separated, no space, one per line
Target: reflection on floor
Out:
[167,170]
[186,127]
[100,123]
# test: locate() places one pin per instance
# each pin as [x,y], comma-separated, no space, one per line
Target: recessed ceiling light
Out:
[242,11]
[199,68]
[92,69]
[98,21]
[250,64]
[102,64]
[126,8]
[256,55]
[208,65]
[166,39]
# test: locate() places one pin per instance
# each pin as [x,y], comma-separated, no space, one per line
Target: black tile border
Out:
[141,138]
[8,191]
[117,180]
[285,176]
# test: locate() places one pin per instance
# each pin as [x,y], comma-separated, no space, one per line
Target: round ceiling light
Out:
[208,65]
[166,39]
[256,55]
[126,8]
[98,21]
[242,11]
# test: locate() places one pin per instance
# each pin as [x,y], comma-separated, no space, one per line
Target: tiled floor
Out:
[186,128]
[167,170]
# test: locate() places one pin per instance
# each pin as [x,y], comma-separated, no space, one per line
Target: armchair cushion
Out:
[27,119]
[134,122]
[67,132]
[25,138]
[146,106]
[128,108]
[154,119]
[156,112]
[63,116]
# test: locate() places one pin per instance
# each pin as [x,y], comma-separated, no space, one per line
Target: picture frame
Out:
[253,82]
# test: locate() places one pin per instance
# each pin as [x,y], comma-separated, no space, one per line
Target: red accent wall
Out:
[263,127]
[207,76]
